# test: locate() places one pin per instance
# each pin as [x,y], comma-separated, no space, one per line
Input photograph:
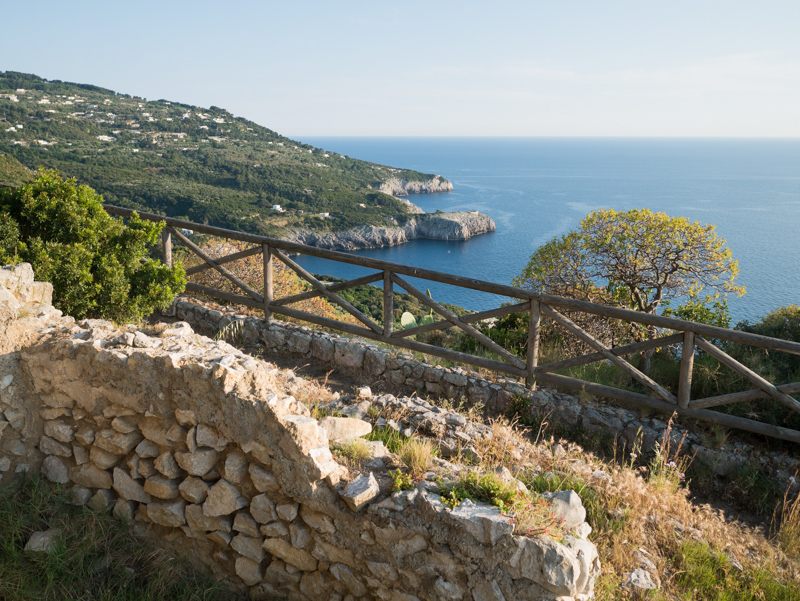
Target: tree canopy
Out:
[636,259]
[98,265]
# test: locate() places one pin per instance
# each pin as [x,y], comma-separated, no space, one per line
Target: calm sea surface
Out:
[538,188]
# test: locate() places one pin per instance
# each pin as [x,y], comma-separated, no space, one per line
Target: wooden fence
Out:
[690,335]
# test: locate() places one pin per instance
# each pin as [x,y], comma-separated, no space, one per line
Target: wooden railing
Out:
[690,335]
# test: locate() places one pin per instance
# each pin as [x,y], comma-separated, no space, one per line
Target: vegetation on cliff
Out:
[186,161]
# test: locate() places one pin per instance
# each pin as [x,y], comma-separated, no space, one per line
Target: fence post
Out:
[267,256]
[687,366]
[166,246]
[388,303]
[534,323]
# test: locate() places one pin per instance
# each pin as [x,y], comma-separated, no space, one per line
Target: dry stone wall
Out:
[396,370]
[206,446]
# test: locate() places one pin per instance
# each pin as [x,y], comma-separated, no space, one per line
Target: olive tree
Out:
[640,260]
[98,265]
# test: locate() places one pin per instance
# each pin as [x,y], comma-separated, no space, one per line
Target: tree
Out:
[98,265]
[639,260]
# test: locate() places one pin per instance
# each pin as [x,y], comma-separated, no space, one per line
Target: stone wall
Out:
[394,370]
[204,444]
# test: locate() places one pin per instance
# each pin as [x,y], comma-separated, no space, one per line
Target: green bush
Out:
[98,265]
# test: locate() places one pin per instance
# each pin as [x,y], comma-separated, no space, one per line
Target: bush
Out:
[97,264]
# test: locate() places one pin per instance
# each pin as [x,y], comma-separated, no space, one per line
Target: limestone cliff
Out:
[460,225]
[399,187]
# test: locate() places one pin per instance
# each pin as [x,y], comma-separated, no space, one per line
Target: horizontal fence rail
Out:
[690,337]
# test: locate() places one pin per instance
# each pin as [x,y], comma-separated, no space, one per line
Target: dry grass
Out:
[788,535]
[353,453]
[417,455]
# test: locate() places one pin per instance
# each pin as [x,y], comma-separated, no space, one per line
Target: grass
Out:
[702,572]
[353,452]
[96,557]
[788,533]
[417,454]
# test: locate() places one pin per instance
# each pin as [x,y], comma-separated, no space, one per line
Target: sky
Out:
[435,68]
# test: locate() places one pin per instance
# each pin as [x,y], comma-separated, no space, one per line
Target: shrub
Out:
[97,264]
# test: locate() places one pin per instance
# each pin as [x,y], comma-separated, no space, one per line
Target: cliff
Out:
[460,225]
[399,187]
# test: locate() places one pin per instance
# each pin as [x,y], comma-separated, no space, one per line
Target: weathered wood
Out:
[672,323]
[736,397]
[723,419]
[226,296]
[453,318]
[367,279]
[659,321]
[166,246]
[196,250]
[599,347]
[747,373]
[388,304]
[266,255]
[333,297]
[470,318]
[256,250]
[413,345]
[334,255]
[687,367]
[620,351]
[532,359]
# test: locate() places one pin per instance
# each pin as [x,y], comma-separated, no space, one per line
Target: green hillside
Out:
[203,164]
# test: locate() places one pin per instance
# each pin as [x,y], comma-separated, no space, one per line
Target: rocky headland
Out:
[401,187]
[460,225]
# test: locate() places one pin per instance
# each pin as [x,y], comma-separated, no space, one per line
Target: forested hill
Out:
[203,164]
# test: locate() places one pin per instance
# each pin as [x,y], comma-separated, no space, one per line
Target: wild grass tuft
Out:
[353,452]
[417,454]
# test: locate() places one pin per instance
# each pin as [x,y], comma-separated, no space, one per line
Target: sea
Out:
[539,188]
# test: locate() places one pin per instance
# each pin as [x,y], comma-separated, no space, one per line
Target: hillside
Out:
[202,164]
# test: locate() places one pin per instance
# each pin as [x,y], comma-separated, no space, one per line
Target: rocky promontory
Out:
[400,187]
[460,225]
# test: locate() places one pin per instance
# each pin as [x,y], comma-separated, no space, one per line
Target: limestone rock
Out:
[168,513]
[344,574]
[60,430]
[223,499]
[298,558]
[316,520]
[288,511]
[262,509]
[103,459]
[79,495]
[262,479]
[161,487]
[90,476]
[248,546]
[193,490]
[128,488]
[147,449]
[55,470]
[245,523]
[639,582]
[198,463]
[166,465]
[124,510]
[117,442]
[235,468]
[249,571]
[483,521]
[201,522]
[567,505]
[43,542]
[101,500]
[341,429]
[49,446]
[361,491]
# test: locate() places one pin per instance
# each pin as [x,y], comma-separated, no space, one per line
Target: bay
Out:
[538,188]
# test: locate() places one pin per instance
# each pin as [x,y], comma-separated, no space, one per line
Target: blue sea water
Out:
[538,188]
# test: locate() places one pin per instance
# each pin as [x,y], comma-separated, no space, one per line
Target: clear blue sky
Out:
[438,68]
